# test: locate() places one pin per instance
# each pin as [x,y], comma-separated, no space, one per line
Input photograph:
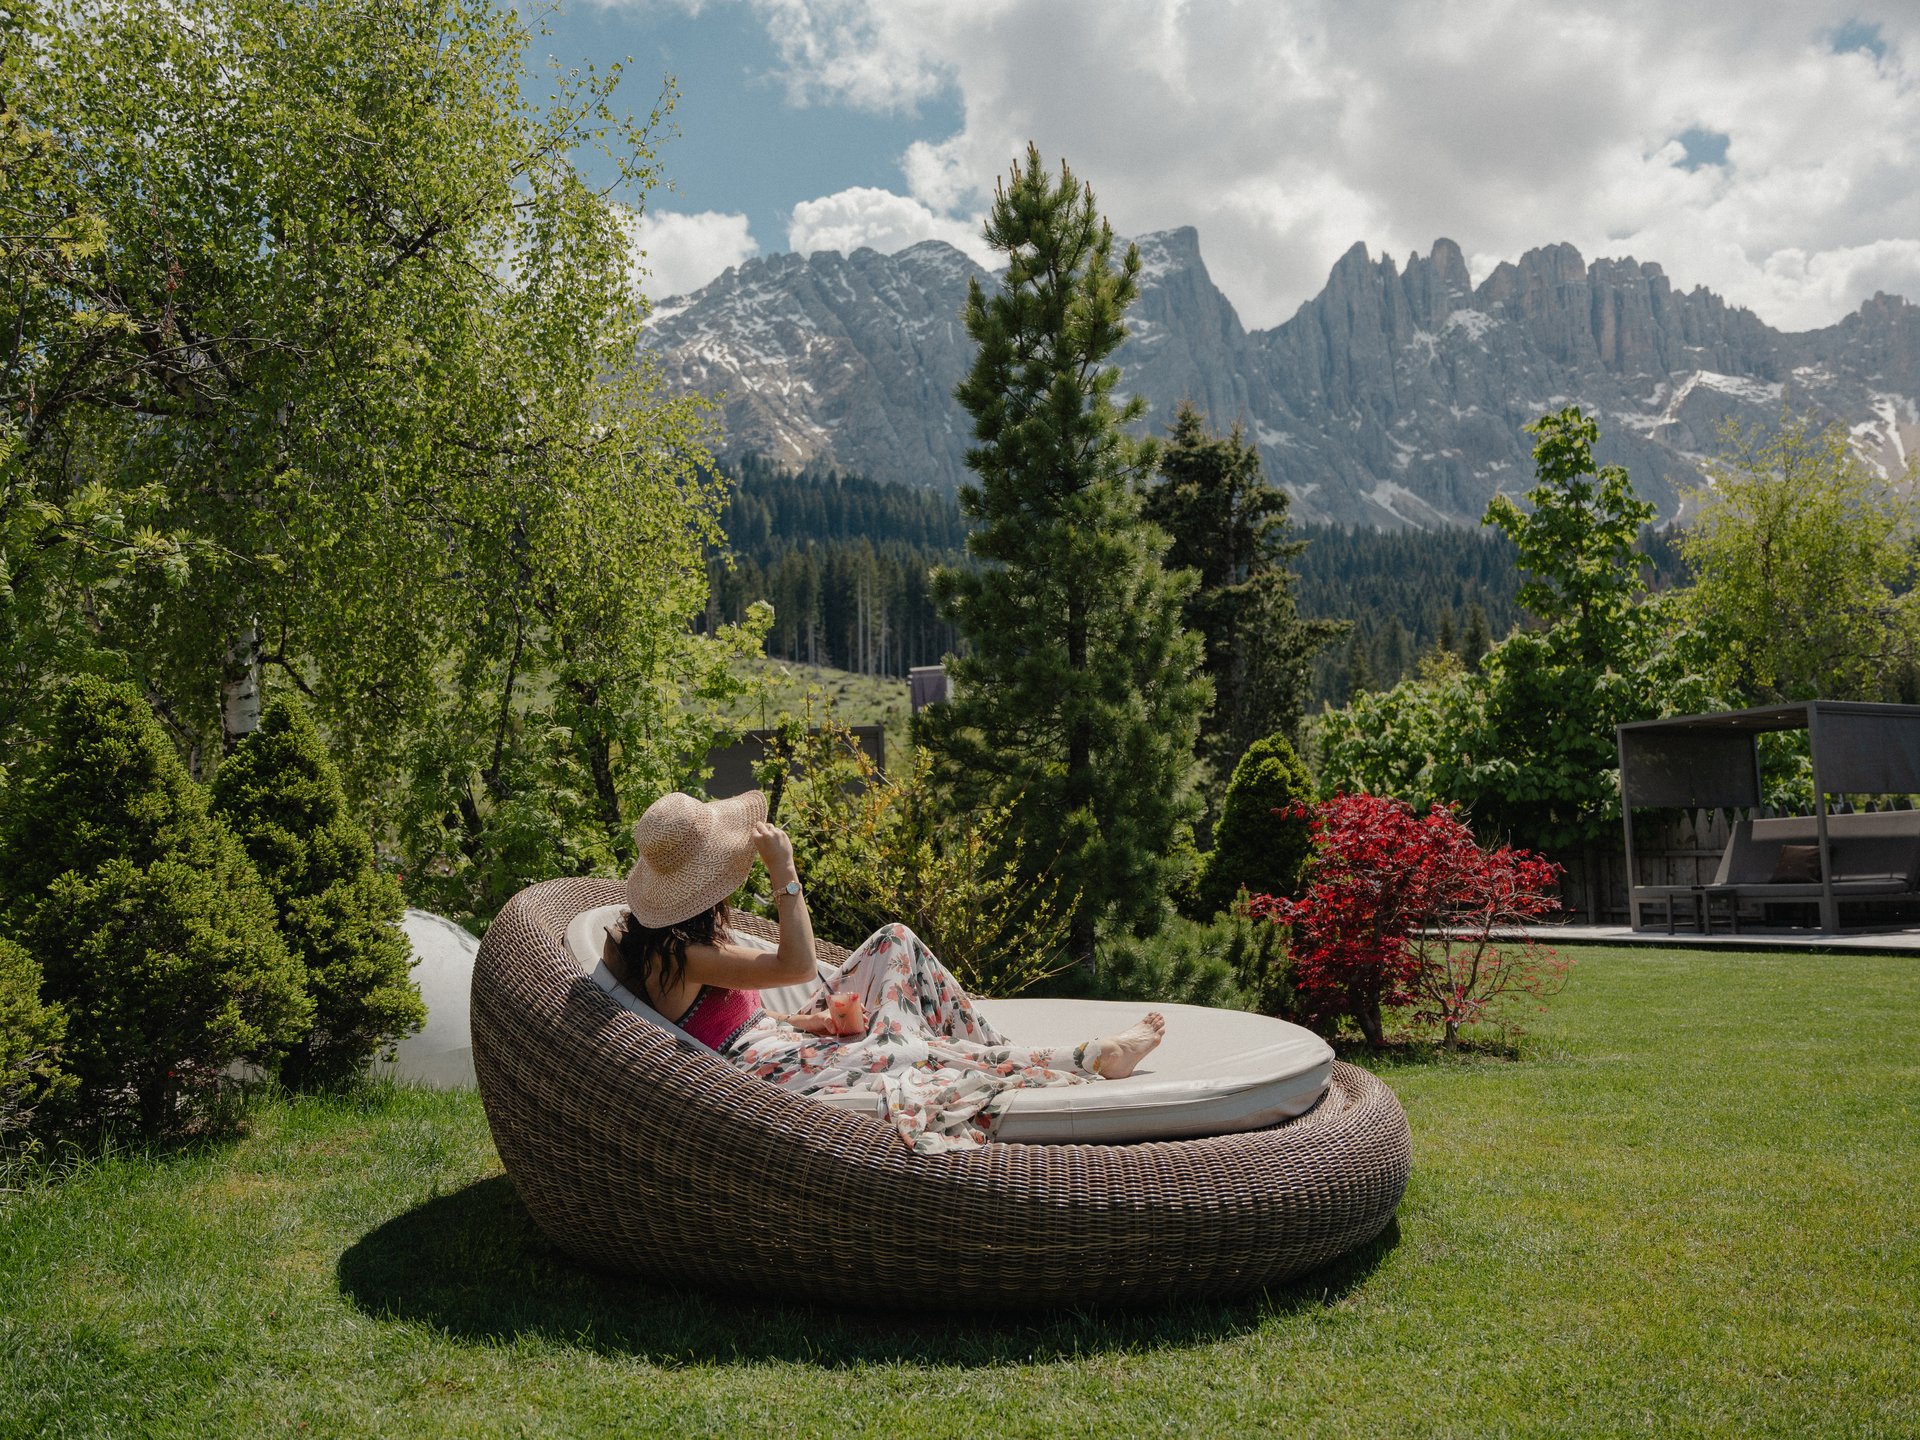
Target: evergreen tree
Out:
[1260,845]
[149,922]
[1225,521]
[1478,640]
[1081,698]
[1359,676]
[282,796]
[1391,653]
[30,1035]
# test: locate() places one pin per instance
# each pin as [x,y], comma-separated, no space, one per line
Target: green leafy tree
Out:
[1080,699]
[1804,566]
[1263,840]
[1526,742]
[333,385]
[1576,544]
[149,922]
[280,793]
[877,849]
[1227,523]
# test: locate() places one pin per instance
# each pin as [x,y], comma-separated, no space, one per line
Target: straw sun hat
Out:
[693,855]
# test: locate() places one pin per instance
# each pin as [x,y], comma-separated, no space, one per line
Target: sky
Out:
[1766,149]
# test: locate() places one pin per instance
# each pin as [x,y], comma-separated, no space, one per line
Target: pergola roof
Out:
[1714,760]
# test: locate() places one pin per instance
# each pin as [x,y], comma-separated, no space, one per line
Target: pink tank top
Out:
[717,1016]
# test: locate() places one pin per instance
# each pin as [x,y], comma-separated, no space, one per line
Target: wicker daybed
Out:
[635,1153]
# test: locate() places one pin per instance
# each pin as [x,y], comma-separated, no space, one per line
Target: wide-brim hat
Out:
[692,855]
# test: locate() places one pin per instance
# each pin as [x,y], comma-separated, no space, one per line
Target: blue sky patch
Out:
[742,147]
[1703,147]
[1859,35]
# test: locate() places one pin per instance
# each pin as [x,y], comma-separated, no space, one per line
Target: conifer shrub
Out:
[30,1034]
[1232,962]
[281,795]
[150,925]
[1263,840]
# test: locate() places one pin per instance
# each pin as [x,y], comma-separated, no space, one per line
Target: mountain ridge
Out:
[1394,397]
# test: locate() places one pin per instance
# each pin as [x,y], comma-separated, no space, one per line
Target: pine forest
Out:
[845,563]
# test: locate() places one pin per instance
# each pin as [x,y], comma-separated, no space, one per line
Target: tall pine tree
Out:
[1228,523]
[1082,695]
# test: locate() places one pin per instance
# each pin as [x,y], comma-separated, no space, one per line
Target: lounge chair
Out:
[638,1152]
[1875,857]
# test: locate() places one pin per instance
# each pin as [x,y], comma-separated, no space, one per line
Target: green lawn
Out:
[1694,1208]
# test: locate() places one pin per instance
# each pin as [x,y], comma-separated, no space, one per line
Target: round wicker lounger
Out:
[636,1153]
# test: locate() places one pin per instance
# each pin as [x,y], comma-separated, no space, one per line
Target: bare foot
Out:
[1115,1056]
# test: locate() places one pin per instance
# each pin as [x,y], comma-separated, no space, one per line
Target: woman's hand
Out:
[775,850]
[813,1022]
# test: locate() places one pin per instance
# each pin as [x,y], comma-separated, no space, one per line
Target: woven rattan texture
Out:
[637,1153]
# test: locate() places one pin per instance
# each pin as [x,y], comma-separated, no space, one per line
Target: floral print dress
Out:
[942,1070]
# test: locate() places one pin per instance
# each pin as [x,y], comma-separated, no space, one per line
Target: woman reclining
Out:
[906,1030]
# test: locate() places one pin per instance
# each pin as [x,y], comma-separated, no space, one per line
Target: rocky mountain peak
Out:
[1394,397]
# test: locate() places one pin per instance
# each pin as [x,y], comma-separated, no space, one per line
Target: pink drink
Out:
[849,1016]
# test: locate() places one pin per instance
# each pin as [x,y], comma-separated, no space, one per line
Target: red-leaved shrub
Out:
[1401,909]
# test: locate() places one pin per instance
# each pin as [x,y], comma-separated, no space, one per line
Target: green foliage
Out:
[280,793]
[348,361]
[874,849]
[150,924]
[1080,700]
[1526,742]
[1576,542]
[1255,849]
[1226,522]
[1230,962]
[30,1035]
[1804,567]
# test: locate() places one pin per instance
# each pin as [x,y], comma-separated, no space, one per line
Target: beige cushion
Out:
[1216,1073]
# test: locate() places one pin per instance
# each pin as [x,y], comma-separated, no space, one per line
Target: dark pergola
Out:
[1713,761]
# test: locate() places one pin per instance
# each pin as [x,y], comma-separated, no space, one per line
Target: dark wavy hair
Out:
[662,953]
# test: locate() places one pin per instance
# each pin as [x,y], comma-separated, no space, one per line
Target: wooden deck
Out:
[1861,942]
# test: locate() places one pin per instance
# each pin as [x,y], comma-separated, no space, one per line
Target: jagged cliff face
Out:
[1394,397]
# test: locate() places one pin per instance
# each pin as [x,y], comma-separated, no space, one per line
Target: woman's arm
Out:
[737,968]
[796,925]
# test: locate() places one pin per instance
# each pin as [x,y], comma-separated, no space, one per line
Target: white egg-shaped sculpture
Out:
[440,1053]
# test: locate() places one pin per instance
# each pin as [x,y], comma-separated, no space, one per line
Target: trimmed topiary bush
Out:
[1254,848]
[30,1034]
[280,793]
[149,923]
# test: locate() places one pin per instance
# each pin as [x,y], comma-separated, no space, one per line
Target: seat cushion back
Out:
[1882,845]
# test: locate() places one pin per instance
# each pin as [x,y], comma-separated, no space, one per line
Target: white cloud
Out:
[1286,132]
[679,253]
[864,215]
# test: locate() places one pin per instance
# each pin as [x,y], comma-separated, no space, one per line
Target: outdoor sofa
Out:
[638,1150]
[1875,856]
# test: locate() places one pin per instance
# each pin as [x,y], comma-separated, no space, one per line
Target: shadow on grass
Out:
[474,1265]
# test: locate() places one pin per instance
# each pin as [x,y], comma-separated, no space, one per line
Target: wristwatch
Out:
[792,887]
